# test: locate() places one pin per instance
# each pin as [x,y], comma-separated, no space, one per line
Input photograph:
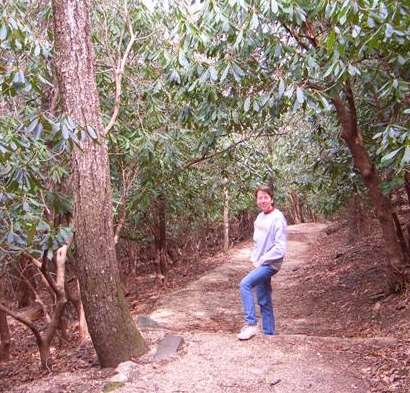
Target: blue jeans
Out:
[259,278]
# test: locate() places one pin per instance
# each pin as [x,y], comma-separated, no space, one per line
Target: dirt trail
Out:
[207,313]
[309,354]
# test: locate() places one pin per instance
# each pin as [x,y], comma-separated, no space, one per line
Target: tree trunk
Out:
[296,206]
[356,220]
[4,338]
[112,330]
[400,235]
[346,112]
[226,216]
[162,234]
[73,295]
[301,214]
[407,184]
[24,270]
[159,230]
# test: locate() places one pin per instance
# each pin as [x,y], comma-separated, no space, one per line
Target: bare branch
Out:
[22,320]
[38,299]
[118,74]
[61,256]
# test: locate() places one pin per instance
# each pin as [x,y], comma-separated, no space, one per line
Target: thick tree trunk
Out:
[4,338]
[110,325]
[351,134]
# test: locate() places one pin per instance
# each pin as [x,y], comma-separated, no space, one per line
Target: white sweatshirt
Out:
[270,239]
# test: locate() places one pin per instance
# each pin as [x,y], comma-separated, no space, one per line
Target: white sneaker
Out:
[247,332]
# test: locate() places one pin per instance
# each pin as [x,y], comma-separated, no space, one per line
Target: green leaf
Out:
[19,80]
[225,73]
[254,22]
[353,70]
[300,95]
[389,30]
[331,42]
[274,6]
[213,73]
[237,72]
[32,125]
[37,50]
[391,155]
[174,77]
[256,106]
[37,131]
[204,77]
[281,88]
[247,104]
[406,156]
[91,131]
[356,31]
[329,70]
[26,206]
[3,32]
[239,38]
[45,81]
[65,131]
[312,63]
[182,59]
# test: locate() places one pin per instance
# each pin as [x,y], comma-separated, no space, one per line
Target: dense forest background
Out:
[133,135]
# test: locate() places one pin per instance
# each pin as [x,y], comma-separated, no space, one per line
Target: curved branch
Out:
[22,320]
[118,74]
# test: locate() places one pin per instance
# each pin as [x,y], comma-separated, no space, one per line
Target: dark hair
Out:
[264,188]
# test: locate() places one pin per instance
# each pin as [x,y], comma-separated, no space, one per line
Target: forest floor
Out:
[336,332]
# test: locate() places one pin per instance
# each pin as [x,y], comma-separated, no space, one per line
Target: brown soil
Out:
[336,333]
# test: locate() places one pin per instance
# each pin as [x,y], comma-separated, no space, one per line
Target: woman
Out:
[270,242]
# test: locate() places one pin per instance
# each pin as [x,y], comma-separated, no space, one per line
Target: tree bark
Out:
[226,216]
[296,208]
[162,234]
[4,338]
[400,235]
[26,282]
[112,330]
[74,296]
[159,229]
[346,112]
[407,184]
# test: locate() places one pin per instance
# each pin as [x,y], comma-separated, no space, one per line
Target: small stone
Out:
[168,347]
[111,386]
[126,367]
[376,307]
[146,322]
[120,378]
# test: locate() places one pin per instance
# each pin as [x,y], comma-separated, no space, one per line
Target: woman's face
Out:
[264,201]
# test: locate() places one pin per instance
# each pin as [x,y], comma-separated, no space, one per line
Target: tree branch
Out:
[230,147]
[118,74]
[22,320]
